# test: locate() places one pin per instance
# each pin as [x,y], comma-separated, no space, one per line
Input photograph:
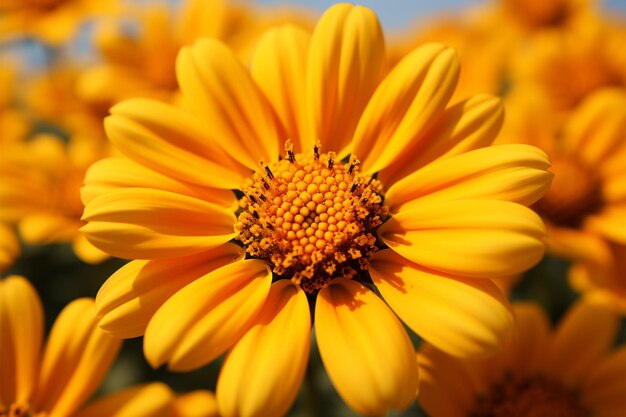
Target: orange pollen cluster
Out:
[529,397]
[575,193]
[312,218]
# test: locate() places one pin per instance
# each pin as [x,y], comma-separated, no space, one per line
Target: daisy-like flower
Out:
[380,186]
[40,190]
[585,208]
[76,358]
[54,21]
[569,371]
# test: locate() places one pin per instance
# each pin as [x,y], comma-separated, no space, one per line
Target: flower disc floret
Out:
[311,217]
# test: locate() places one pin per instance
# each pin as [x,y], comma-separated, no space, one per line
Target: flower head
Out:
[347,183]
[544,371]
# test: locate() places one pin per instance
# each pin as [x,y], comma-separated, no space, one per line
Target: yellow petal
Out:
[465,126]
[221,92]
[461,316]
[129,298]
[170,141]
[206,317]
[21,331]
[113,173]
[573,351]
[366,351]
[76,359]
[152,400]
[262,374]
[195,404]
[606,382]
[278,66]
[578,244]
[43,228]
[9,247]
[516,173]
[596,129]
[87,252]
[611,223]
[142,223]
[344,65]
[471,238]
[404,104]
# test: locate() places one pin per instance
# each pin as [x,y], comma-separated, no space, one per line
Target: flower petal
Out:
[129,298]
[573,352]
[405,103]
[47,227]
[471,238]
[141,223]
[21,330]
[465,126]
[114,173]
[9,247]
[87,252]
[76,359]
[170,141]
[366,351]
[221,92]
[262,374]
[345,61]
[199,403]
[516,173]
[278,66]
[596,130]
[461,316]
[206,317]
[611,223]
[151,400]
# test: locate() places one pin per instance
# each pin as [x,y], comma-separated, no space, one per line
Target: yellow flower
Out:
[40,190]
[586,206]
[311,220]
[142,65]
[54,21]
[567,371]
[13,123]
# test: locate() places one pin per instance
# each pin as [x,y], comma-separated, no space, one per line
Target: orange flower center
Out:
[311,217]
[529,397]
[575,193]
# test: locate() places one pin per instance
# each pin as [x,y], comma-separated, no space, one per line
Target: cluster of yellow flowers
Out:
[271,179]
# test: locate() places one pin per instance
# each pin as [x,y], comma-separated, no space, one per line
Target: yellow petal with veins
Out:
[150,400]
[470,238]
[131,296]
[262,374]
[206,317]
[412,95]
[366,351]
[21,331]
[141,223]
[461,316]
[344,66]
